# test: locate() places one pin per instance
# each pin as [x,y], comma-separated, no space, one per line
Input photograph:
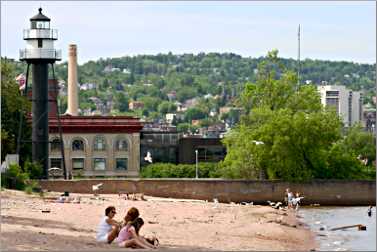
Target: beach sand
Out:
[179,224]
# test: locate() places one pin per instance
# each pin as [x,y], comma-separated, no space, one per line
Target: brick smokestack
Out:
[73,98]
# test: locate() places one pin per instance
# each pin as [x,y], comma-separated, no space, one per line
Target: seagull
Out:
[148,157]
[277,205]
[271,203]
[96,187]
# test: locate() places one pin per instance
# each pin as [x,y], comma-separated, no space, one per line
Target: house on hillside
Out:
[135,105]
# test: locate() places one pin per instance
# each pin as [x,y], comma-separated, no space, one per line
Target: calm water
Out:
[341,240]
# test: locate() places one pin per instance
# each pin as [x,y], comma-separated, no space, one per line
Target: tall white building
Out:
[348,104]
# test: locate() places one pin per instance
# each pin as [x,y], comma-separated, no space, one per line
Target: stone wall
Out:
[324,192]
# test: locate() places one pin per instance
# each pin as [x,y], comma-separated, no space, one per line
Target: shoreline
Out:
[178,223]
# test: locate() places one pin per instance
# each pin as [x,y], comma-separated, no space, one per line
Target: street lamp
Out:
[261,175]
[196,166]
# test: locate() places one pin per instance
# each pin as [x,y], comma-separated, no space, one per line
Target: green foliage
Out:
[346,157]
[13,107]
[121,102]
[14,177]
[186,128]
[167,170]
[191,75]
[167,107]
[194,114]
[362,143]
[342,164]
[21,179]
[28,189]
[286,133]
[34,170]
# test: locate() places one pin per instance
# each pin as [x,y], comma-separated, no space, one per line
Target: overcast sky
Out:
[330,30]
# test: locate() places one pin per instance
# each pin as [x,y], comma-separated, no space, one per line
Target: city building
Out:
[93,146]
[161,141]
[347,103]
[209,150]
[96,145]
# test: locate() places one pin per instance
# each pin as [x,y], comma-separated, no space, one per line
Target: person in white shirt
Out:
[108,228]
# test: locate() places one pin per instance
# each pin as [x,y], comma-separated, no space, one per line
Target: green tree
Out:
[167,107]
[285,134]
[121,102]
[194,114]
[13,107]
[362,143]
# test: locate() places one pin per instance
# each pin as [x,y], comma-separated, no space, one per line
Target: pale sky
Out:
[339,30]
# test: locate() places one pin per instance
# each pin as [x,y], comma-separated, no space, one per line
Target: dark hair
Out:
[131,215]
[137,224]
[109,209]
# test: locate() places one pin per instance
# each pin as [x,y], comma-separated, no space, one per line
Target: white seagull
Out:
[148,158]
[95,188]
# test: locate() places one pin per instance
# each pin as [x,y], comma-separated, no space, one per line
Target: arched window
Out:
[121,145]
[55,144]
[99,143]
[78,145]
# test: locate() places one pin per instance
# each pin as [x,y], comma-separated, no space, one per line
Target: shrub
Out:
[168,170]
[28,189]
[34,170]
[14,177]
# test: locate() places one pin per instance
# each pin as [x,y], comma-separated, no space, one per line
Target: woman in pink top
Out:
[129,236]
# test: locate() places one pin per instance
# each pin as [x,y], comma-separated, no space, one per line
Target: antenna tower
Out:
[298,58]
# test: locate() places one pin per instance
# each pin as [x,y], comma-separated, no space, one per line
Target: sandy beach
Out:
[29,222]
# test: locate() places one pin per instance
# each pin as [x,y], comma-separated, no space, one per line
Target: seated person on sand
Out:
[129,236]
[108,228]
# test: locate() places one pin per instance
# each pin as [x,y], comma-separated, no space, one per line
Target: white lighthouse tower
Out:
[39,53]
[40,40]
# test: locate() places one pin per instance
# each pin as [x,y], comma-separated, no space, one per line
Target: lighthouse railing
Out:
[41,34]
[39,53]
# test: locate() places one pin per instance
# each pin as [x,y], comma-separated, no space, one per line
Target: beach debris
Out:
[153,222]
[46,211]
[60,199]
[64,199]
[137,196]
[359,227]
[76,200]
[131,196]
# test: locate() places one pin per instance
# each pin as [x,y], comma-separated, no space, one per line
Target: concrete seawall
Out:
[324,192]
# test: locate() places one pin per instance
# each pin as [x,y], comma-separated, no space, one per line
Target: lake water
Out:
[341,240]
